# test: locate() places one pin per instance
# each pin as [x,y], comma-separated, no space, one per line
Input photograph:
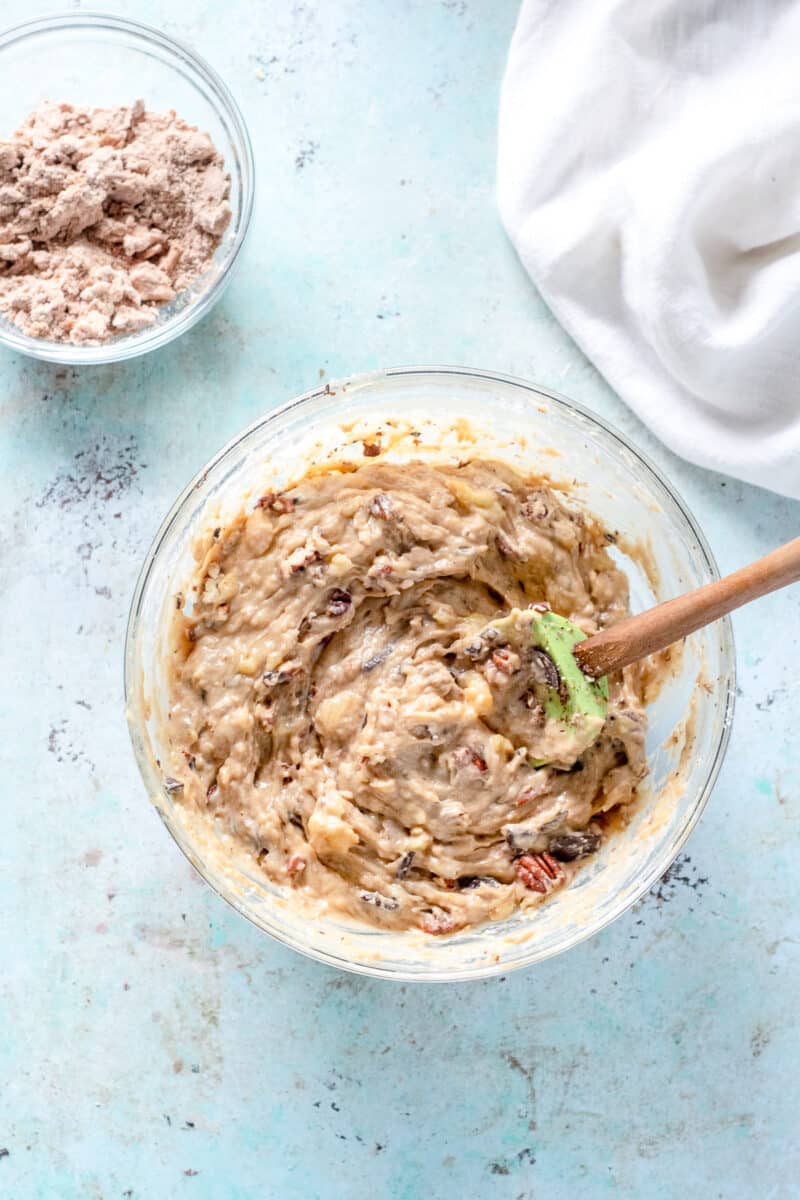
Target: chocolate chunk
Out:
[275,678]
[173,787]
[475,649]
[543,669]
[574,844]
[379,901]
[369,664]
[404,866]
[512,842]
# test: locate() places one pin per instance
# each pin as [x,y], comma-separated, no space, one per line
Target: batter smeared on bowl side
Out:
[339,705]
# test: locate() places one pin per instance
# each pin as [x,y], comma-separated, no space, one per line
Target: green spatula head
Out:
[571,708]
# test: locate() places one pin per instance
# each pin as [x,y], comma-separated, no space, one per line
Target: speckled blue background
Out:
[155,1045]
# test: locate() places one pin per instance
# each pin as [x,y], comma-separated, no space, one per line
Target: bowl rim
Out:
[669,852]
[153,337]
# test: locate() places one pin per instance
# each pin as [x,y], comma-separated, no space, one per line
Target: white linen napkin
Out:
[649,177]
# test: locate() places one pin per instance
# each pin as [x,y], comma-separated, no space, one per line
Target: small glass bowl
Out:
[537,431]
[101,60]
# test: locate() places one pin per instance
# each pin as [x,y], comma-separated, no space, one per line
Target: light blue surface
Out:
[155,1045]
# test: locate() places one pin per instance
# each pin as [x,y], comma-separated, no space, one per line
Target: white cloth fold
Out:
[649,177]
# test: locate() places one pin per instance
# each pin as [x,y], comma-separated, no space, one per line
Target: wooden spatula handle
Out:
[659,627]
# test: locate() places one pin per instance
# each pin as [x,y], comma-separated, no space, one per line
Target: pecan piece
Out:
[505,660]
[301,558]
[539,872]
[534,792]
[277,503]
[536,507]
[466,756]
[438,921]
[338,603]
[381,506]
[504,547]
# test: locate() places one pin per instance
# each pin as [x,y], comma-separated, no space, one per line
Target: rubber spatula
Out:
[576,693]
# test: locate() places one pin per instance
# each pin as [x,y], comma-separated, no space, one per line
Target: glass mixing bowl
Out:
[537,431]
[102,60]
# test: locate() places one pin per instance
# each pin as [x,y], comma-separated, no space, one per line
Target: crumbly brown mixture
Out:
[105,215]
[336,707]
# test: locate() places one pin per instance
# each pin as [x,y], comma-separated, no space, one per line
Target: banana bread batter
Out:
[339,705]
